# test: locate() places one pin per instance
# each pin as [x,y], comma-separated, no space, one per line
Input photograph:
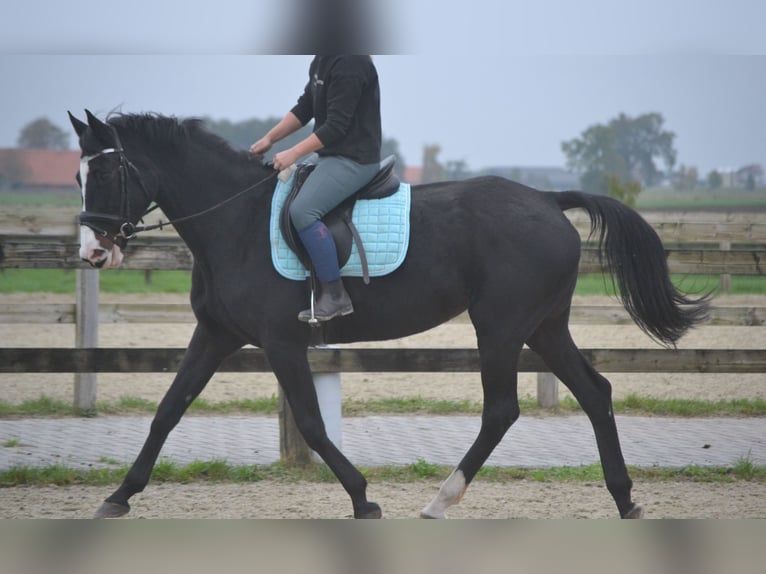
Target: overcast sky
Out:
[491,83]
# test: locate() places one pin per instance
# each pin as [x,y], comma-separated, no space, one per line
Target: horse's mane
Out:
[170,131]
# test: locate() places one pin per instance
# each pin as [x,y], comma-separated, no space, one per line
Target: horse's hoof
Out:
[636,512]
[432,516]
[112,510]
[368,510]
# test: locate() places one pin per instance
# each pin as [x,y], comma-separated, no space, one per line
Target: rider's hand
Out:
[285,159]
[261,146]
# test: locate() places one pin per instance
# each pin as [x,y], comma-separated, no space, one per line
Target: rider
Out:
[343,97]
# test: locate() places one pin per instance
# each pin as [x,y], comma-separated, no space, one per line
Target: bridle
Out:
[98,222]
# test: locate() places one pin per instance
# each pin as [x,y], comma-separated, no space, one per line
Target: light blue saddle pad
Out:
[383,224]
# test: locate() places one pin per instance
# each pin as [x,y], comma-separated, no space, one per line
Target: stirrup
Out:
[313,321]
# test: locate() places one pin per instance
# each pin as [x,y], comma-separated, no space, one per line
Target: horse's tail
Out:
[633,254]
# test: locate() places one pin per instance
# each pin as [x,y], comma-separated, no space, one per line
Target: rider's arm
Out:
[287,125]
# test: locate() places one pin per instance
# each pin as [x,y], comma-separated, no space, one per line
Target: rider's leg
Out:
[333,180]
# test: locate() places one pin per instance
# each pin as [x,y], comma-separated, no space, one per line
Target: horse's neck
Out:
[212,198]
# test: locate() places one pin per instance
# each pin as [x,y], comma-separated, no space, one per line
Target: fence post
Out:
[547,390]
[725,280]
[293,450]
[86,335]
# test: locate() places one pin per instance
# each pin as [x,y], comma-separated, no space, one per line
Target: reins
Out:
[226,201]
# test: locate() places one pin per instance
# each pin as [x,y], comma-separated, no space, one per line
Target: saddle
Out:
[338,221]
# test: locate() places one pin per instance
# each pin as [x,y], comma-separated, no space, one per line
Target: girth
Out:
[339,220]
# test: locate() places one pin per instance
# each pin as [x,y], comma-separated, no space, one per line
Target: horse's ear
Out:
[103,132]
[79,126]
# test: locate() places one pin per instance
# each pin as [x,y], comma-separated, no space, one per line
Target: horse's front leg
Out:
[202,358]
[291,367]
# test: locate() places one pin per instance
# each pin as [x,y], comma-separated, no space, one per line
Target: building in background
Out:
[38,170]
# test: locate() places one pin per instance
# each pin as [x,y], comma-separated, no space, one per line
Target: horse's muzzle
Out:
[97,251]
[104,259]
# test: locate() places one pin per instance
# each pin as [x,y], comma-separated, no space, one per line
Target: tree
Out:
[625,148]
[750,182]
[626,192]
[714,180]
[686,177]
[42,134]
[433,170]
[13,170]
[242,135]
[456,169]
[750,175]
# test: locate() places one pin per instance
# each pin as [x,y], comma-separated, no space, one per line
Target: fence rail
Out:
[170,253]
[379,360]
[179,313]
[671,226]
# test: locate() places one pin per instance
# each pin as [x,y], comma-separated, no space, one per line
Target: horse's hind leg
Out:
[499,363]
[291,367]
[553,342]
[200,362]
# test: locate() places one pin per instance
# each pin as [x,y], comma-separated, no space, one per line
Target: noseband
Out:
[98,222]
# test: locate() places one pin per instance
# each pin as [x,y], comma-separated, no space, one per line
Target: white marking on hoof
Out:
[450,492]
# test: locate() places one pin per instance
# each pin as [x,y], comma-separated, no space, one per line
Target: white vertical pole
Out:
[328,390]
[329,394]
[86,335]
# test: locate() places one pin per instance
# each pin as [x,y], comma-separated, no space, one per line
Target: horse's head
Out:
[113,194]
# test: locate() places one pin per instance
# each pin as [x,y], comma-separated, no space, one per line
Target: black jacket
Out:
[343,97]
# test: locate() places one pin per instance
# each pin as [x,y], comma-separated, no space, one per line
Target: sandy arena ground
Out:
[518,499]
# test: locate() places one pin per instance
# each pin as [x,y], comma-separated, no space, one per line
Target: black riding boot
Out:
[333,301]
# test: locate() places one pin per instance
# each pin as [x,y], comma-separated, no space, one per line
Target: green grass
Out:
[630,405]
[53,199]
[133,281]
[410,405]
[634,404]
[220,471]
[113,281]
[42,406]
[131,405]
[266,405]
[589,284]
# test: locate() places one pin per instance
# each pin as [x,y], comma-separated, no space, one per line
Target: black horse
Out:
[501,250]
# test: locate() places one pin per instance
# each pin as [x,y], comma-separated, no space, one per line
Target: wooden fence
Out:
[716,244]
[379,360]
[170,253]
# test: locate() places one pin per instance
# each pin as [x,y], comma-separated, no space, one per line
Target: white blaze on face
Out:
[91,249]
